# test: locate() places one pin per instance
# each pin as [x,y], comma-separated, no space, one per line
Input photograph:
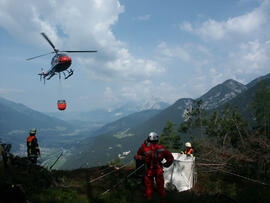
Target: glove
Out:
[167,164]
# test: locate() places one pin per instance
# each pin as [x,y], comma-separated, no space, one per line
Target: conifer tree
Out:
[169,137]
[195,117]
[261,106]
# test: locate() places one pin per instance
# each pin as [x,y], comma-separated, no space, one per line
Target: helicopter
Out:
[60,62]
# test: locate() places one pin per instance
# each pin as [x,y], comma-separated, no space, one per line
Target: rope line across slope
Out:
[106,174]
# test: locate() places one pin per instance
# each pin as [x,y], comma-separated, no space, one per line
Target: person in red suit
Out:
[152,153]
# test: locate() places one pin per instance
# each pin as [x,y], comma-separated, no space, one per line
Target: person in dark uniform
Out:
[5,152]
[32,146]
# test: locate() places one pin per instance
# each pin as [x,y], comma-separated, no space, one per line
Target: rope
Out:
[56,160]
[226,172]
[135,171]
[203,164]
[112,187]
[208,160]
[105,169]
[122,180]
[60,89]
[106,174]
[230,173]
[249,179]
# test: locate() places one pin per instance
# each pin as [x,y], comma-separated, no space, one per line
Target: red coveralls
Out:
[154,154]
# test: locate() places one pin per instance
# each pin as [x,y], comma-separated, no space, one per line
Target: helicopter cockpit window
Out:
[62,55]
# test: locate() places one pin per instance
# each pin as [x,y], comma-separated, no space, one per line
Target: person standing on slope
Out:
[189,151]
[153,154]
[32,146]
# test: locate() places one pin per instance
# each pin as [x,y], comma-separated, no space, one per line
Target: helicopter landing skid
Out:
[70,73]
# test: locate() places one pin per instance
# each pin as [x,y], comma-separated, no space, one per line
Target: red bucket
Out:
[61,104]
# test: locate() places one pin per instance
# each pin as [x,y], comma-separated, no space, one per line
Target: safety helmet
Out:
[33,131]
[188,144]
[153,136]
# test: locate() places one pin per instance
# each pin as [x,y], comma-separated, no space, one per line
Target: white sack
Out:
[180,173]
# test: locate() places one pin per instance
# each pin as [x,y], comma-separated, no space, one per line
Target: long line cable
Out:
[60,89]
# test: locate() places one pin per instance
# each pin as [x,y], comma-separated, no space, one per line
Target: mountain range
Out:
[16,116]
[55,134]
[96,118]
[120,130]
[109,144]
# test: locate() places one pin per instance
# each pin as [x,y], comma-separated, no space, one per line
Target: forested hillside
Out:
[107,146]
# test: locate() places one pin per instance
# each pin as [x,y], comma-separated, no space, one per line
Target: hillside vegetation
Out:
[38,185]
[231,142]
[106,146]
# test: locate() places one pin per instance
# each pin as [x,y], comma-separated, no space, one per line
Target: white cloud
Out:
[237,48]
[179,70]
[243,61]
[245,24]
[252,57]
[7,91]
[186,26]
[85,25]
[144,17]
[110,96]
[146,90]
[179,52]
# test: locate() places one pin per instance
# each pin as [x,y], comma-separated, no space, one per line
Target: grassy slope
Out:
[73,186]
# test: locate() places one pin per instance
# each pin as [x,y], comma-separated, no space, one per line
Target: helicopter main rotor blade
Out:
[47,38]
[38,56]
[79,51]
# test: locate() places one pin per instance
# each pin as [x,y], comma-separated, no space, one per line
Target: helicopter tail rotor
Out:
[42,74]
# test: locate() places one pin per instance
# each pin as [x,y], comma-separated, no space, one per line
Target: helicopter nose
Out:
[66,59]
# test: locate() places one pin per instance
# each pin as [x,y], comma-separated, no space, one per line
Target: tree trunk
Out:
[201,124]
[224,140]
[242,140]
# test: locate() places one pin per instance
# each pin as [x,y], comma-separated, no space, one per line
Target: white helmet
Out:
[153,136]
[188,144]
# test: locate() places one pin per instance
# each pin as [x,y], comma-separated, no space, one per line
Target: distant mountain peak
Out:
[258,79]
[153,104]
[233,84]
[222,93]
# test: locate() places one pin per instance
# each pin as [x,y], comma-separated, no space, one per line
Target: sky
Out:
[147,49]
